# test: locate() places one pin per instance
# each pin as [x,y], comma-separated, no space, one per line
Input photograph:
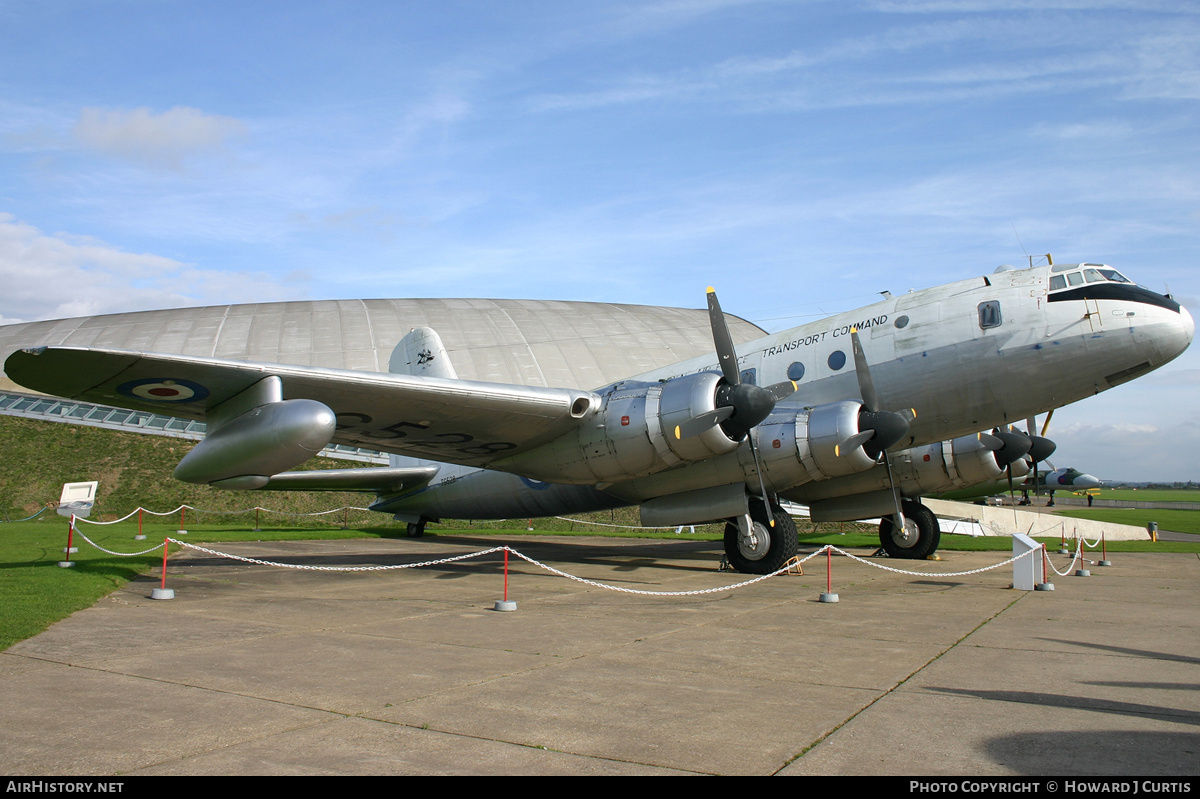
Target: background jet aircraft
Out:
[855,415]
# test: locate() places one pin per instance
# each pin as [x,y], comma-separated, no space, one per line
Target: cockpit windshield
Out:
[1086,273]
[1072,282]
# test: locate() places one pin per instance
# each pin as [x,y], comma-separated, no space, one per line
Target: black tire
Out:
[923,536]
[416,529]
[779,546]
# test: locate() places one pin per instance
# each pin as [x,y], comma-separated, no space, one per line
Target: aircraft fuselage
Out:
[966,356]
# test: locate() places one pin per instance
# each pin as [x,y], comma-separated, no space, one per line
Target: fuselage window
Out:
[750,376]
[795,371]
[837,359]
[901,321]
[1057,282]
[989,314]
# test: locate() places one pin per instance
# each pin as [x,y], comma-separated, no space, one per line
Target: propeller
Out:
[739,405]
[878,428]
[1042,448]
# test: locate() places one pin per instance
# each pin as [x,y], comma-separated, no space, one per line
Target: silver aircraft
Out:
[856,416]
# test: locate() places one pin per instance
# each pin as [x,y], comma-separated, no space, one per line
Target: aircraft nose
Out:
[1086,481]
[1177,335]
[1187,325]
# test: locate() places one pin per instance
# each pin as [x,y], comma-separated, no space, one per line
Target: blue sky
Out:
[800,156]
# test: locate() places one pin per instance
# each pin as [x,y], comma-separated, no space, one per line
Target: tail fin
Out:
[422,354]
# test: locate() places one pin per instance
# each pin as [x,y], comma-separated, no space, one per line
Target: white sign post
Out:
[77,499]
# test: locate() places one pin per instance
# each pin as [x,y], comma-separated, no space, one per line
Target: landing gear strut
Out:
[767,548]
[416,529]
[918,539]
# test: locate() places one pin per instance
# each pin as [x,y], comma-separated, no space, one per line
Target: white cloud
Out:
[60,276]
[168,139]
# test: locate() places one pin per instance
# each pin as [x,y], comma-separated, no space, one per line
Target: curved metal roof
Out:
[528,342]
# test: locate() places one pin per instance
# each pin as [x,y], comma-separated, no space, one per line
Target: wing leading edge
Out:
[455,421]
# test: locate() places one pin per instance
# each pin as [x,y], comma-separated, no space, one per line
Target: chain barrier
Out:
[559,572]
[303,567]
[79,533]
[1075,557]
[213,512]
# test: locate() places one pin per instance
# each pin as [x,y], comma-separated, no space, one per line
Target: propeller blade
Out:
[723,342]
[990,442]
[782,390]
[854,442]
[866,386]
[1046,424]
[705,421]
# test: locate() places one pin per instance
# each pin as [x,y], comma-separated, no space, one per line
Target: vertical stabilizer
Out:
[421,353]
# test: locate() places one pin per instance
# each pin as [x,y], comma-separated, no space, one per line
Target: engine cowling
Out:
[810,445]
[947,466]
[632,435]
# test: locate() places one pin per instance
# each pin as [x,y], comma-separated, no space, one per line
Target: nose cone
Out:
[1086,481]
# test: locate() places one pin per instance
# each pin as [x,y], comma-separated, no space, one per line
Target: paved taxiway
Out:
[259,670]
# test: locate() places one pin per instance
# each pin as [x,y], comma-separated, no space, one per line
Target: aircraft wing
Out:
[454,421]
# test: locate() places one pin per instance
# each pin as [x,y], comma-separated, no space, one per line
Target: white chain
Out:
[1074,557]
[1013,559]
[339,568]
[452,559]
[119,554]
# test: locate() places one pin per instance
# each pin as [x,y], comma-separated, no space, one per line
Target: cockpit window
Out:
[1086,273]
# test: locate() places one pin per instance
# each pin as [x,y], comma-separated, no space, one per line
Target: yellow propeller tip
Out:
[712,290]
[676,432]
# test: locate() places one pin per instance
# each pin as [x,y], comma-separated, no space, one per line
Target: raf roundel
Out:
[163,389]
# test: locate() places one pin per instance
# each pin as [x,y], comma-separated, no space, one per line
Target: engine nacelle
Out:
[809,445]
[947,466]
[632,434]
[245,451]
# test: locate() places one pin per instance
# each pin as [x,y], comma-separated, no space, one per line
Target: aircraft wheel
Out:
[416,529]
[768,547]
[920,537]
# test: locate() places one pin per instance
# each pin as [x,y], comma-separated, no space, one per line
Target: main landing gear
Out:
[766,549]
[416,529]
[918,539]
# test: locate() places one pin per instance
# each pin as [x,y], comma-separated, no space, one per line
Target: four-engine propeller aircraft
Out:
[856,416]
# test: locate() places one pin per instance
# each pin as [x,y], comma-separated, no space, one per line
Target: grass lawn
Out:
[1180,521]
[35,591]
[1150,494]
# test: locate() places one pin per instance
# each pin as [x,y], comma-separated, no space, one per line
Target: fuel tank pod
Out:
[245,451]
